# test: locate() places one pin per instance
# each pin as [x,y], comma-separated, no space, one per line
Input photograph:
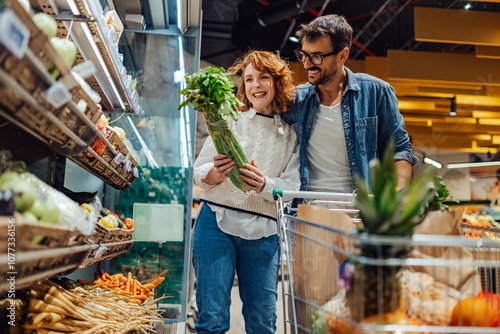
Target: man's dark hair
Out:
[334,26]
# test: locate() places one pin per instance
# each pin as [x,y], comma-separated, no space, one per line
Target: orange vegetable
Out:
[131,289]
[128,223]
[158,281]
[129,279]
[111,213]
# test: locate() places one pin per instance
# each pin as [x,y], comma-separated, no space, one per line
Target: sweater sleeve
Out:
[288,180]
[204,163]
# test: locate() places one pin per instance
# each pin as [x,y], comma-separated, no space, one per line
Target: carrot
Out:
[139,297]
[158,281]
[149,286]
[123,279]
[83,282]
[129,279]
[150,294]
[134,287]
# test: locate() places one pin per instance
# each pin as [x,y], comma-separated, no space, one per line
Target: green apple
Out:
[25,193]
[37,209]
[9,177]
[30,217]
[50,213]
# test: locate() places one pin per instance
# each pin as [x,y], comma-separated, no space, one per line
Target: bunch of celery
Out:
[210,91]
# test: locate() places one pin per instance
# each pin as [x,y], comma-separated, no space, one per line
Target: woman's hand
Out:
[222,167]
[252,176]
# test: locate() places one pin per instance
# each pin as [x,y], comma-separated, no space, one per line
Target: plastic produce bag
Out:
[72,214]
[115,25]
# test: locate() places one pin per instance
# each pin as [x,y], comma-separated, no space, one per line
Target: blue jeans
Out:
[216,257]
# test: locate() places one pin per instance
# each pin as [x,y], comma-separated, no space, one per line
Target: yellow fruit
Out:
[395,318]
[472,311]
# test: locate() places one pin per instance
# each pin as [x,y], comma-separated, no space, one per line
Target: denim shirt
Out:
[370,116]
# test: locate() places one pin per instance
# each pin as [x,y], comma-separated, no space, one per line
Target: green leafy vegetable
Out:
[210,91]
[441,195]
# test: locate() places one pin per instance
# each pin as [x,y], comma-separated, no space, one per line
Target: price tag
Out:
[58,94]
[14,34]
[100,251]
[118,159]
[128,166]
[82,105]
[85,69]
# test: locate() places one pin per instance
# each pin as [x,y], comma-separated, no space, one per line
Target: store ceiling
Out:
[442,57]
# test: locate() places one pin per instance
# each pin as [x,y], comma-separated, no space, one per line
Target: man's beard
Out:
[323,77]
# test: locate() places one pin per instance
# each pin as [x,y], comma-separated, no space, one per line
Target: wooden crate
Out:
[35,235]
[21,71]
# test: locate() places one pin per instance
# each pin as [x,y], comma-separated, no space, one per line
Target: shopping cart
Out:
[319,297]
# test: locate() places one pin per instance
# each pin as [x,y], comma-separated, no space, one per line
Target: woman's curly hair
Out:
[278,68]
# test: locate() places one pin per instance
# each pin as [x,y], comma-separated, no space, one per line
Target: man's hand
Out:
[403,172]
[254,179]
[222,167]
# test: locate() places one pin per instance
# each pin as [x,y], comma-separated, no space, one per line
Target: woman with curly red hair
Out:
[236,231]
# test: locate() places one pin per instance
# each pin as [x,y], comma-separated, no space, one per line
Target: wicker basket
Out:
[20,70]
[105,173]
[105,235]
[35,265]
[36,235]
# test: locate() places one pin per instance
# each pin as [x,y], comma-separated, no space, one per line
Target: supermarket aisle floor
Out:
[237,322]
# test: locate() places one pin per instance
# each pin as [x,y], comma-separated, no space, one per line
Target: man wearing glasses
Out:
[342,119]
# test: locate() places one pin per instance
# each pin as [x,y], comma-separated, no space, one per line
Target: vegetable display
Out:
[210,91]
[131,290]
[54,309]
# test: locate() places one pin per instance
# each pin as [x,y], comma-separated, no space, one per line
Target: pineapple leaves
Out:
[383,209]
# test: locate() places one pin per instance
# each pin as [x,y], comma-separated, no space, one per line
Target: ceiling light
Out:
[453,107]
[293,39]
[473,164]
[467,6]
[432,162]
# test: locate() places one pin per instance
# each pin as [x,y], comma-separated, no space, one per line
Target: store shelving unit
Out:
[85,24]
[52,262]
[74,122]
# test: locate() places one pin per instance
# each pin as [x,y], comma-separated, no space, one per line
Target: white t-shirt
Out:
[327,153]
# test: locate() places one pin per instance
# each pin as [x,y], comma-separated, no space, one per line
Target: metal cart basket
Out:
[319,295]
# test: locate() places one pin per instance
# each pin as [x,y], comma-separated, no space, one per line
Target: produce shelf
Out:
[69,129]
[124,246]
[30,266]
[89,32]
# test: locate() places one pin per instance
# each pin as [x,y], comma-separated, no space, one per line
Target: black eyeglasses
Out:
[315,58]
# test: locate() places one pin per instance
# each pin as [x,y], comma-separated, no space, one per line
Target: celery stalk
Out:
[210,91]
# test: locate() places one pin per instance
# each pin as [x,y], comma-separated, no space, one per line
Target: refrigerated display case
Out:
[137,80]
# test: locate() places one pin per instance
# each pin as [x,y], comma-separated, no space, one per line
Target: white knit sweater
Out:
[270,143]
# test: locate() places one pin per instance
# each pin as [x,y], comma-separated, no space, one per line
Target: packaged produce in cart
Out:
[383,276]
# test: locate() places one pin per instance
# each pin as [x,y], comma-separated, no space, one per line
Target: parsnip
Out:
[35,318]
[37,305]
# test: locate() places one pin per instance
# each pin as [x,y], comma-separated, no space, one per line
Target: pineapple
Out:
[388,213]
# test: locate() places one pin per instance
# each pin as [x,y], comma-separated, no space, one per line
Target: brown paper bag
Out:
[466,279]
[316,267]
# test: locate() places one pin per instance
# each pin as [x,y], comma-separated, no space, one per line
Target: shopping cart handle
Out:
[277,192]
